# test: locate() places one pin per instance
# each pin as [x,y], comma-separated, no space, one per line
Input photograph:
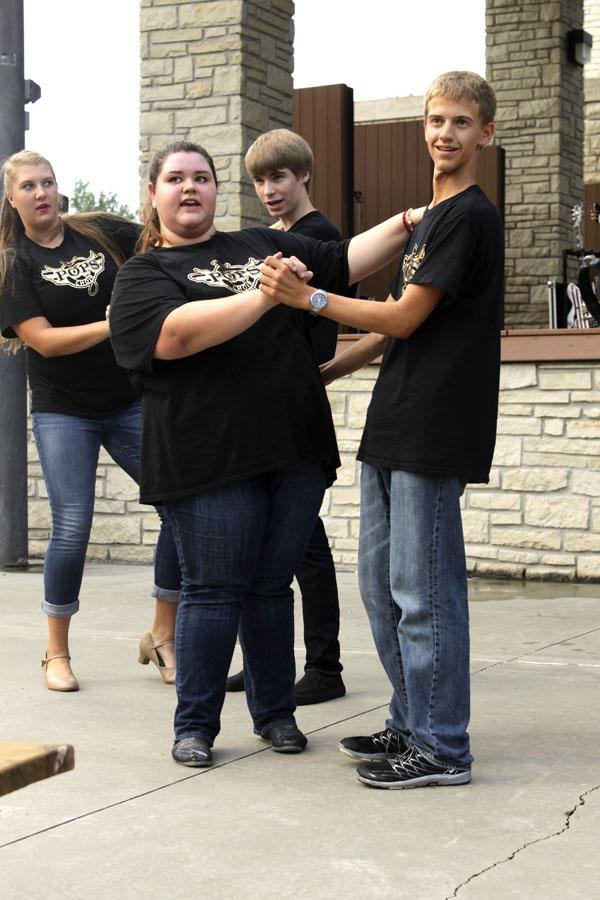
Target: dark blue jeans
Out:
[239,546]
[68,447]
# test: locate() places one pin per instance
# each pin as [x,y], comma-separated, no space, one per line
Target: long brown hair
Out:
[88,224]
[150,235]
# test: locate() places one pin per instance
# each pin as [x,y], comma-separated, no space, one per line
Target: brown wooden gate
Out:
[393,171]
[591,214]
[324,116]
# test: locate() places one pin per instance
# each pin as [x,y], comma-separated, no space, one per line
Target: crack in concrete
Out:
[504,662]
[568,816]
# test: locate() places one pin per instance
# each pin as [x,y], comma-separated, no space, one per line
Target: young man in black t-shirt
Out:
[430,429]
[280,164]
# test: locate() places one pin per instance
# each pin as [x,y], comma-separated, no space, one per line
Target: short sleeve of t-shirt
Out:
[442,256]
[18,300]
[143,297]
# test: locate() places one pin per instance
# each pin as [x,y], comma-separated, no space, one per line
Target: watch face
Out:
[318,301]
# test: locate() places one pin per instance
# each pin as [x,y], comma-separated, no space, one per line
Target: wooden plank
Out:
[551,345]
[22,763]
[533,345]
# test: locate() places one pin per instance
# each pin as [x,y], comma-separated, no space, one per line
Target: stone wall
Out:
[538,518]
[217,73]
[540,126]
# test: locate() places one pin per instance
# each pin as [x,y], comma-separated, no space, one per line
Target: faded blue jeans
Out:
[68,447]
[239,546]
[413,582]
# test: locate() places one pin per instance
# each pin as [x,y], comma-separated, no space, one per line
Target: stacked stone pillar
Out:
[217,73]
[540,125]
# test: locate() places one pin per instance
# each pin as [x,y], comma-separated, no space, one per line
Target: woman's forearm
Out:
[48,341]
[200,324]
[370,251]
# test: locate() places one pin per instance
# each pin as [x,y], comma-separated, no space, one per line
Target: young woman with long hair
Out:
[56,277]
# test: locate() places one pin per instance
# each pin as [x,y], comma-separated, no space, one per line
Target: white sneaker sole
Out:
[423,781]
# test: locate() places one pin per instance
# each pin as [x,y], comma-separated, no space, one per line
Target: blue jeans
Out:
[413,582]
[239,546]
[68,447]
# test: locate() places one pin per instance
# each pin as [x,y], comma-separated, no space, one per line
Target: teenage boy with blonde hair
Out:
[430,429]
[280,164]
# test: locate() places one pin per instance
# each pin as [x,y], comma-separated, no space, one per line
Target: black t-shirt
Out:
[435,403]
[323,332]
[69,285]
[249,405]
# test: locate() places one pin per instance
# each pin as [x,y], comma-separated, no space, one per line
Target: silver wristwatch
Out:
[318,301]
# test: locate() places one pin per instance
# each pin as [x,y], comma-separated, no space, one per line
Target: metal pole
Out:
[13,380]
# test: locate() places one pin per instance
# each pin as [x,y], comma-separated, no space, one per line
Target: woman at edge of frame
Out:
[56,277]
[238,444]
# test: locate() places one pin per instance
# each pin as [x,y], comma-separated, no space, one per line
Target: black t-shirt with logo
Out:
[69,285]
[435,403]
[249,405]
[323,332]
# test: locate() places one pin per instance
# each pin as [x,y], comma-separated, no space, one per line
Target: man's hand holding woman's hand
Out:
[285,280]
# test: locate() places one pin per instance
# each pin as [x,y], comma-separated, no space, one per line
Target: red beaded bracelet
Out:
[407,222]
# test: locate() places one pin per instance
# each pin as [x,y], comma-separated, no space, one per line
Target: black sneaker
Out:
[411,770]
[318,687]
[235,682]
[285,737]
[374,746]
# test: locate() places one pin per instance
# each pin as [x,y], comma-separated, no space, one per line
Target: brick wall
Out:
[538,518]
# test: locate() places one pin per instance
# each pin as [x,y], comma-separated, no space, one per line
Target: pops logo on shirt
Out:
[233,278]
[82,272]
[411,263]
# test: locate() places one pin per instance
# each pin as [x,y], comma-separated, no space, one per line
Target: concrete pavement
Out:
[130,823]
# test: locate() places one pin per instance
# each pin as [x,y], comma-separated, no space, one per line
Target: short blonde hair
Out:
[279,149]
[464,86]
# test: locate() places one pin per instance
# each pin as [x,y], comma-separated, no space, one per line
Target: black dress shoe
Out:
[192,751]
[318,687]
[235,682]
[285,737]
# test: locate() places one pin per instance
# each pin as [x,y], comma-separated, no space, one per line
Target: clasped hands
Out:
[284,280]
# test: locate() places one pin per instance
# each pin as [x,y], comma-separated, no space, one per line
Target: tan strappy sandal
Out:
[55,682]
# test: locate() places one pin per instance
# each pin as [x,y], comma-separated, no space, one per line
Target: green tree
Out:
[84,200]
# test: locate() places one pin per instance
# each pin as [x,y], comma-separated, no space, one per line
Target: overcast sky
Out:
[85,57]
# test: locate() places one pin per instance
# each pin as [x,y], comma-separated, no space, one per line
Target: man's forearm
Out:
[358,354]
